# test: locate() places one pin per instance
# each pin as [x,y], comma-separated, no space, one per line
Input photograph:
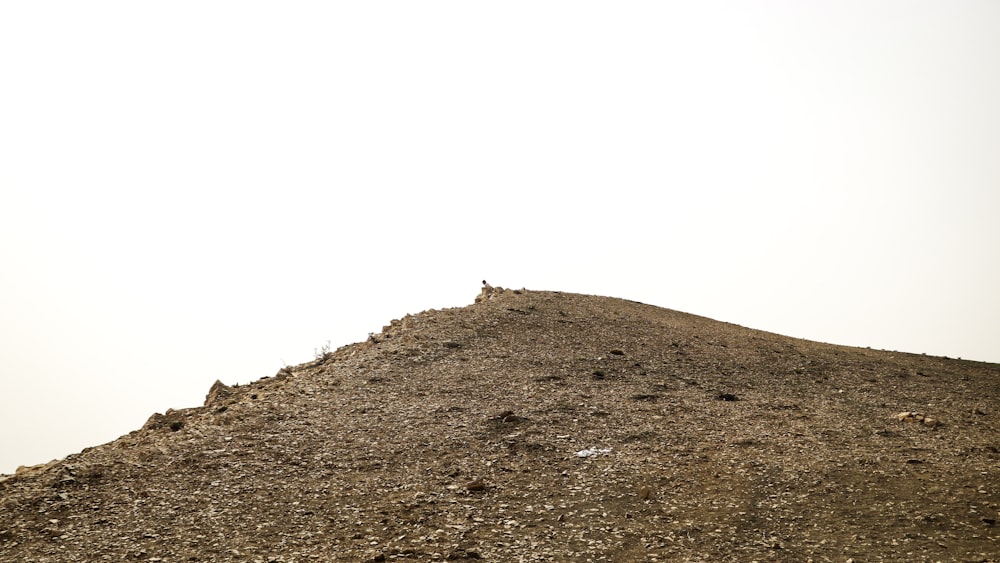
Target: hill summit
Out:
[544,426]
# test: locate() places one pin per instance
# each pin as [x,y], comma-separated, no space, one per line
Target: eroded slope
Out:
[462,433]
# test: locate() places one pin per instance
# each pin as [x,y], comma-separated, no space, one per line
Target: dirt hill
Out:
[545,426]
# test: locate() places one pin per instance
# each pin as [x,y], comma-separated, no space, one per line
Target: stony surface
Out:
[457,435]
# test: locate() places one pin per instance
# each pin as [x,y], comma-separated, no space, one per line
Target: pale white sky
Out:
[193,190]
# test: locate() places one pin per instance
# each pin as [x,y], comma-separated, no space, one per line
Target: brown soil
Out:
[460,434]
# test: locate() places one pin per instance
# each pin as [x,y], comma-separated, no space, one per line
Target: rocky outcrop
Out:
[218,394]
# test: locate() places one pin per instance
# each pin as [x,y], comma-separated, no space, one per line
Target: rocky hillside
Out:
[545,426]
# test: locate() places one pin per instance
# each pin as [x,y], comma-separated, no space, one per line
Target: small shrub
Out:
[323,352]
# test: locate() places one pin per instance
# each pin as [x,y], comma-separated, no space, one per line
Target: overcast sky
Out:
[198,190]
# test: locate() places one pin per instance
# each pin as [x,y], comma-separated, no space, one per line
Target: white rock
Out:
[593,452]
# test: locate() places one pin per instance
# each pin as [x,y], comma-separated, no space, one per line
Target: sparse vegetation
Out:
[322,353]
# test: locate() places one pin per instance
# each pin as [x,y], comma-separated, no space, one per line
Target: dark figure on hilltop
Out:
[487,291]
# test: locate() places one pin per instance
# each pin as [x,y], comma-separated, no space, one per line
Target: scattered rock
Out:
[25,470]
[461,453]
[917,418]
[591,452]
[507,417]
[511,419]
[174,420]
[644,397]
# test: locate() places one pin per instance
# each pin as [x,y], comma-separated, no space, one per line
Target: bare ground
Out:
[465,433]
